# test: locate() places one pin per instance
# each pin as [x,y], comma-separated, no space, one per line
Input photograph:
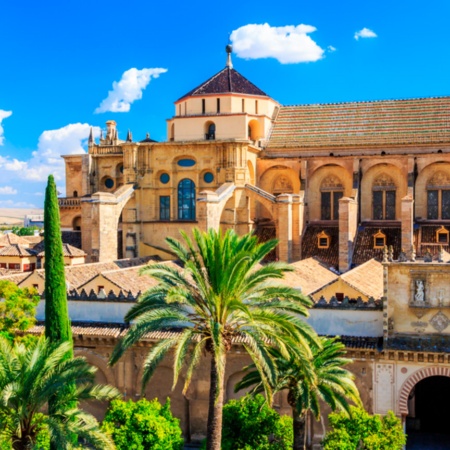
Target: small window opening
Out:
[243,105]
[323,240]
[256,106]
[75,193]
[203,106]
[185,108]
[340,296]
[218,105]
[379,240]
[442,235]
[100,288]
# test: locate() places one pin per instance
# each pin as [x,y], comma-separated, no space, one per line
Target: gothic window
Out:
[438,197]
[186,200]
[164,207]
[331,191]
[383,198]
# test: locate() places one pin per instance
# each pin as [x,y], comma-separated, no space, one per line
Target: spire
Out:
[129,136]
[229,49]
[91,138]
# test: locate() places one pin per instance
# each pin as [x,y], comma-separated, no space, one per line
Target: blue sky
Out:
[59,61]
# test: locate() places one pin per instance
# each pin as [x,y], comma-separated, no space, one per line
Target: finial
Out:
[129,136]
[413,253]
[385,254]
[229,49]
[91,138]
[147,136]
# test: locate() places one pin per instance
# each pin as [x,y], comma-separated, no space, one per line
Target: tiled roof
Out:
[17,250]
[363,250]
[10,239]
[33,240]
[309,275]
[330,255]
[426,240]
[79,274]
[119,330]
[362,124]
[366,278]
[69,251]
[227,81]
[16,278]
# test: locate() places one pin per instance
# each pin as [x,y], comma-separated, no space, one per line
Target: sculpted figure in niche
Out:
[420,294]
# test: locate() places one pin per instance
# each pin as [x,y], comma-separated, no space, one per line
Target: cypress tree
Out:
[57,323]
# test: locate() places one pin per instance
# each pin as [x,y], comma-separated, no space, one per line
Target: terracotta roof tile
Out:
[362,124]
[309,275]
[14,277]
[33,240]
[426,238]
[68,250]
[225,82]
[364,250]
[330,255]
[10,239]
[17,250]
[366,278]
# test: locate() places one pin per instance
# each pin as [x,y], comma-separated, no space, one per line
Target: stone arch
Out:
[76,223]
[210,130]
[251,172]
[328,177]
[276,177]
[413,379]
[99,362]
[432,174]
[382,176]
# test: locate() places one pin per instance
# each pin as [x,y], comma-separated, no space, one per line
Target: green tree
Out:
[143,425]
[221,295]
[31,376]
[24,231]
[362,431]
[250,424]
[331,384]
[17,308]
[57,324]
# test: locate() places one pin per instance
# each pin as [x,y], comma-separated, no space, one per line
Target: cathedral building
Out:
[358,195]
[334,181]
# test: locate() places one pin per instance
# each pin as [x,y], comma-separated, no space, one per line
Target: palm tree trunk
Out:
[216,391]
[299,430]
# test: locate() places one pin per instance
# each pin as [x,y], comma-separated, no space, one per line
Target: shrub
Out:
[143,425]
[363,431]
[250,424]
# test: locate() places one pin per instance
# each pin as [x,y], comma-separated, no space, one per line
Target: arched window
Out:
[383,198]
[186,200]
[438,197]
[75,193]
[210,132]
[331,190]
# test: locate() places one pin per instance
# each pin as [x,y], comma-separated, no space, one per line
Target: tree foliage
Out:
[17,308]
[143,425]
[362,431]
[329,382]
[250,424]
[222,294]
[31,376]
[24,231]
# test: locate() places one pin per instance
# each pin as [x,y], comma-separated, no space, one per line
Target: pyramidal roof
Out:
[227,81]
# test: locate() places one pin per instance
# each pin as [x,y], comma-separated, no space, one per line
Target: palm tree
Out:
[222,294]
[331,384]
[29,377]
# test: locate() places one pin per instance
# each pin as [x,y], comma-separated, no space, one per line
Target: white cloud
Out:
[8,190]
[13,204]
[288,44]
[47,159]
[365,33]
[128,89]
[3,115]
[331,49]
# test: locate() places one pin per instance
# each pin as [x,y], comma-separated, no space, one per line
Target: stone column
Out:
[285,229]
[407,218]
[348,216]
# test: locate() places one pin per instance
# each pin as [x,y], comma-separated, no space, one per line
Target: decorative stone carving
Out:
[439,179]
[419,295]
[384,180]
[439,322]
[419,326]
[332,182]
[282,185]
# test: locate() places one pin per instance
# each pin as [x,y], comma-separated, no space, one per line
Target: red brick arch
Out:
[413,379]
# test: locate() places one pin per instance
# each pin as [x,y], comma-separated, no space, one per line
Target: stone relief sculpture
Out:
[419,296]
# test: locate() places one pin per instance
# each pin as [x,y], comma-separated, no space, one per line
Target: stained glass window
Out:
[390,205]
[377,202]
[445,205]
[433,204]
[186,200]
[325,213]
